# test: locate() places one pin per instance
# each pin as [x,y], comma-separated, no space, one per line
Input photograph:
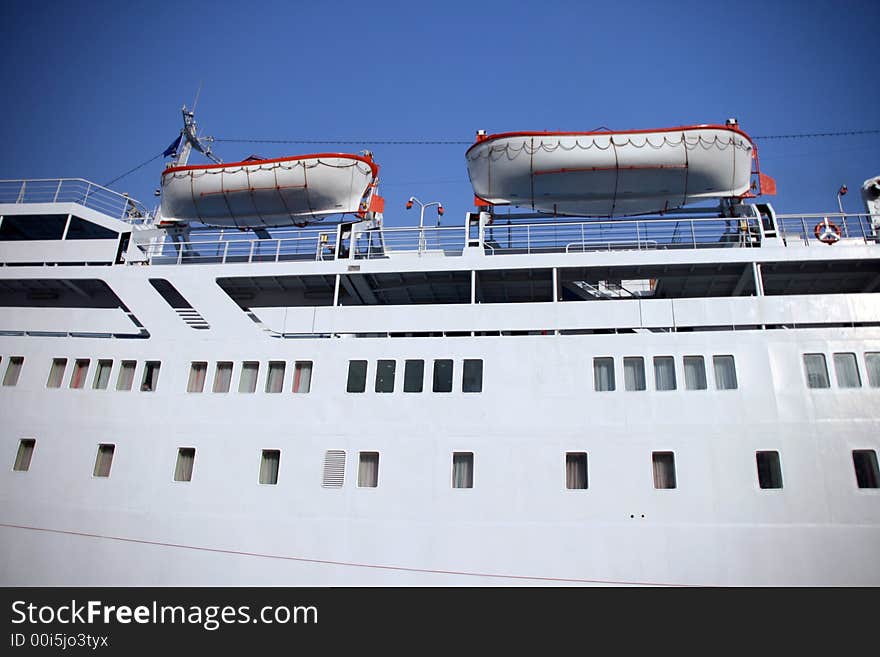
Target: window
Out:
[357,376]
[443,375]
[56,373]
[817,372]
[603,374]
[576,470]
[13,370]
[634,373]
[24,455]
[197,372]
[872,366]
[222,376]
[413,376]
[151,376]
[102,375]
[664,372]
[104,460]
[248,381]
[769,470]
[725,372]
[126,375]
[269,464]
[695,373]
[664,470]
[186,458]
[302,376]
[463,470]
[385,376]
[368,470]
[847,371]
[275,379]
[80,371]
[472,376]
[334,468]
[867,472]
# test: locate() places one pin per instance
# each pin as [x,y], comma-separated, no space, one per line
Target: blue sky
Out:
[95,88]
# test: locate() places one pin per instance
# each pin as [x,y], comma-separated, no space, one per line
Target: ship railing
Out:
[221,248]
[801,228]
[74,190]
[385,242]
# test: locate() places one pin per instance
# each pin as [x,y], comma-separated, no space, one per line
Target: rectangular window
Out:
[368,470]
[872,365]
[151,376]
[463,470]
[634,373]
[104,460]
[275,378]
[302,376]
[603,374]
[576,470]
[24,455]
[269,464]
[867,472]
[847,371]
[694,373]
[102,375]
[664,373]
[222,376]
[186,458]
[769,469]
[472,376]
[414,376]
[664,470]
[197,373]
[357,376]
[443,375]
[385,375]
[13,370]
[80,371]
[725,372]
[126,375]
[816,371]
[56,373]
[334,468]
[248,381]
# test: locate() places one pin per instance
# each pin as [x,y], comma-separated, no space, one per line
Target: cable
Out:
[139,166]
[820,134]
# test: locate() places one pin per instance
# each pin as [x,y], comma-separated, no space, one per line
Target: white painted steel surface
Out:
[611,174]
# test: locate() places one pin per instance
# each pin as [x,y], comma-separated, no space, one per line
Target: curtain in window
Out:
[151,376]
[872,364]
[13,370]
[302,376]
[275,378]
[664,372]
[463,470]
[576,470]
[603,374]
[664,470]
[634,373]
[102,374]
[126,375]
[847,371]
[694,373]
[368,470]
[80,369]
[248,382]
[56,374]
[186,457]
[223,377]
[817,372]
[24,455]
[197,374]
[104,460]
[269,466]
[725,372]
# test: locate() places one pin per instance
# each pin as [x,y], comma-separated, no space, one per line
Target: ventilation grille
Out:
[192,317]
[334,468]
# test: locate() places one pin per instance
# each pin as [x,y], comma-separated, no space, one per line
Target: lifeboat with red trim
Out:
[260,193]
[611,173]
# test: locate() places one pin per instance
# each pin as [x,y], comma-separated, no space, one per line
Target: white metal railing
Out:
[802,227]
[74,190]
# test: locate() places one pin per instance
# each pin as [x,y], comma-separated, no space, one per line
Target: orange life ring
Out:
[827,232]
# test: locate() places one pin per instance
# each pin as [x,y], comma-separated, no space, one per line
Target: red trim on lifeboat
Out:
[250,163]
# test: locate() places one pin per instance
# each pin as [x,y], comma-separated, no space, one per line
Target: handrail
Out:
[74,190]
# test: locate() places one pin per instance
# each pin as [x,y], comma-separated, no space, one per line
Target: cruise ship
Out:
[623,367]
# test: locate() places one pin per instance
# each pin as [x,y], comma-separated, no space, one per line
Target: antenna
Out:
[190,137]
[198,93]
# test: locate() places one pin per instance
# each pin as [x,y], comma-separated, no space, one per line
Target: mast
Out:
[190,139]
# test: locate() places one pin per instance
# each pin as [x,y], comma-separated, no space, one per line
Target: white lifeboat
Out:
[611,173]
[268,193]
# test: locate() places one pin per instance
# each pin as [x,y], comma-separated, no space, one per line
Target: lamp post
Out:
[409,204]
[841,192]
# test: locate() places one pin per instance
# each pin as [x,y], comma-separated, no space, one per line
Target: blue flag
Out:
[172,150]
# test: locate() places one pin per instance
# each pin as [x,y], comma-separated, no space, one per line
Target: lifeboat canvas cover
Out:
[611,173]
[267,193]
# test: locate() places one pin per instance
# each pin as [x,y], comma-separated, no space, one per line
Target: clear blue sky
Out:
[94,88]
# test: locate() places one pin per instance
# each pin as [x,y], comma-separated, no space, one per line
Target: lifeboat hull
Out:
[611,173]
[267,193]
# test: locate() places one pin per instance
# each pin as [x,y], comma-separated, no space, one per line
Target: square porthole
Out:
[104,460]
[664,470]
[867,471]
[769,469]
[186,459]
[270,462]
[463,470]
[576,471]
[368,470]
[24,455]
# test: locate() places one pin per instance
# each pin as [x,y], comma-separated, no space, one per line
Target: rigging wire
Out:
[139,166]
